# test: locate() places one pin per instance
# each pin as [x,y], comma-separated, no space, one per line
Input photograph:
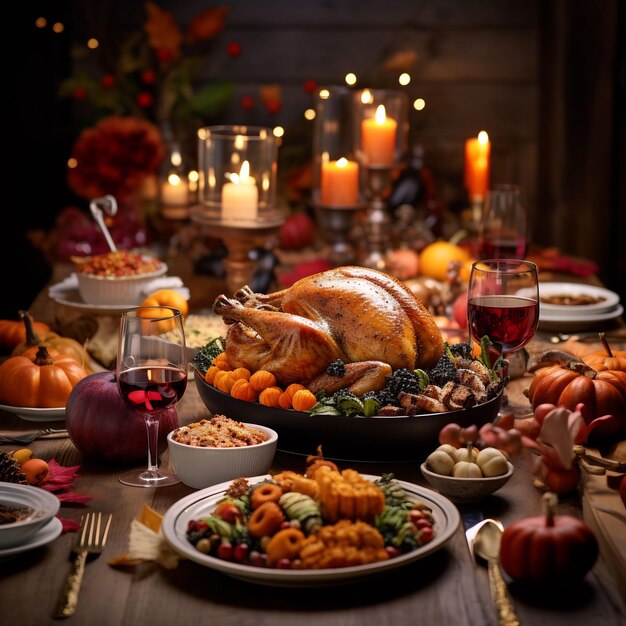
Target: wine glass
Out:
[151,376]
[503,229]
[503,302]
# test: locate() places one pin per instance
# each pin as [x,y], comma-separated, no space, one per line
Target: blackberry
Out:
[386,397]
[341,394]
[404,380]
[336,368]
[463,350]
[443,372]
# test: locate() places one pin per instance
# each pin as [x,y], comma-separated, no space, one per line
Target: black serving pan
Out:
[376,439]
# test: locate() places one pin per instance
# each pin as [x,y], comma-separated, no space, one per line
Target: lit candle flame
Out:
[342,162]
[366,96]
[243,176]
[381,114]
[483,137]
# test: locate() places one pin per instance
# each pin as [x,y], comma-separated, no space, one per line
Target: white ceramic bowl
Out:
[44,507]
[200,467]
[465,489]
[123,290]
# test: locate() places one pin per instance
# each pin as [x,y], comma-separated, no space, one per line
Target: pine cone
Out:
[10,471]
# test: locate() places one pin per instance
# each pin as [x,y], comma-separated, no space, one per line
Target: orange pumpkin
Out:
[262,379]
[13,332]
[602,391]
[40,377]
[606,359]
[167,297]
[270,396]
[303,400]
[243,390]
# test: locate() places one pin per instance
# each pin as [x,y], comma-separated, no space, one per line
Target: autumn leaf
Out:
[207,24]
[162,30]
[71,497]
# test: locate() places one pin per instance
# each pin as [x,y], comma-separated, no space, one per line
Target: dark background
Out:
[545,79]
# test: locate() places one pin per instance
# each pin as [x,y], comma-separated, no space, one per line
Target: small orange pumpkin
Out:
[303,400]
[285,400]
[606,359]
[40,377]
[223,381]
[221,361]
[211,373]
[270,396]
[240,372]
[243,390]
[13,332]
[262,379]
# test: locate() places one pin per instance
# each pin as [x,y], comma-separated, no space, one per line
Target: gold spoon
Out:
[486,545]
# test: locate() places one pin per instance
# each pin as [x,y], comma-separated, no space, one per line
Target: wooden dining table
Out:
[445,587]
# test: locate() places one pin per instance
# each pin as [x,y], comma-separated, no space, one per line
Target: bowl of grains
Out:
[215,450]
[122,277]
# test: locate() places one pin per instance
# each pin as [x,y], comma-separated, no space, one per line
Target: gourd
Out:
[65,345]
[287,396]
[40,377]
[303,400]
[492,462]
[13,332]
[548,547]
[262,379]
[606,359]
[270,396]
[243,390]
[221,361]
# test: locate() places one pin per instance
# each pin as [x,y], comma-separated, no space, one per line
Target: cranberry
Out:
[247,103]
[144,99]
[148,77]
[225,551]
[415,514]
[285,524]
[241,552]
[255,558]
[422,523]
[426,535]
[392,551]
[310,85]
[283,564]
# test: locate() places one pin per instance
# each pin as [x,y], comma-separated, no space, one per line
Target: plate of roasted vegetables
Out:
[324,527]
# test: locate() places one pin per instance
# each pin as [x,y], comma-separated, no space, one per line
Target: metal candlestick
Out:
[377,223]
[336,224]
[240,240]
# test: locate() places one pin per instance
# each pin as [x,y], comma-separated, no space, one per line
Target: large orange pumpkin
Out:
[40,377]
[435,258]
[602,391]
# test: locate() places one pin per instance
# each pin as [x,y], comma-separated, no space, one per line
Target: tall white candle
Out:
[240,197]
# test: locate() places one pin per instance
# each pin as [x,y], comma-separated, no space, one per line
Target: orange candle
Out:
[378,135]
[340,183]
[477,161]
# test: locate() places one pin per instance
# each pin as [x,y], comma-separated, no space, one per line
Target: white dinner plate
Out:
[43,536]
[201,503]
[608,304]
[31,414]
[549,321]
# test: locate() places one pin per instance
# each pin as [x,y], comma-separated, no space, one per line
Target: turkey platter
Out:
[352,314]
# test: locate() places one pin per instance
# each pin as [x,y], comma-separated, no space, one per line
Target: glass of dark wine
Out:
[503,229]
[151,377]
[503,302]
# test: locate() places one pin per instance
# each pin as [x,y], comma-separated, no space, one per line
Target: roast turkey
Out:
[349,313]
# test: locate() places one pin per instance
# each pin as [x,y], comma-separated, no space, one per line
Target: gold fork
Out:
[90,540]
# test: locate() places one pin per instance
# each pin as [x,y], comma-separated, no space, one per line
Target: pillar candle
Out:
[174,191]
[477,162]
[340,183]
[378,135]
[240,197]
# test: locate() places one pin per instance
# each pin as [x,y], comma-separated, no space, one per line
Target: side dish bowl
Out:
[40,507]
[465,489]
[201,467]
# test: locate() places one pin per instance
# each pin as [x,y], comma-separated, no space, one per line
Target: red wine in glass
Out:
[502,247]
[152,388]
[509,321]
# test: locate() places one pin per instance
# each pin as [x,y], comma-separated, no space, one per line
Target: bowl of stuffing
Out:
[121,277]
[215,450]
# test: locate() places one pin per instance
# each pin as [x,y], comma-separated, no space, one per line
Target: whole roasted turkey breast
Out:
[349,313]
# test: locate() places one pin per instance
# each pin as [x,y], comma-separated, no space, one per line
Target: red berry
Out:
[144,99]
[225,551]
[286,524]
[79,93]
[241,552]
[233,49]
[272,106]
[108,81]
[422,523]
[164,55]
[256,559]
[414,515]
[310,85]
[247,103]
[228,511]
[148,77]
[426,535]
[283,564]
[392,551]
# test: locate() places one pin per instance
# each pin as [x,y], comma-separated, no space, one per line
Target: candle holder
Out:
[236,190]
[336,190]
[381,133]
[174,193]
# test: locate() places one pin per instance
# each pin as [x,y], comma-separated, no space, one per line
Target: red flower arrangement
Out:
[115,157]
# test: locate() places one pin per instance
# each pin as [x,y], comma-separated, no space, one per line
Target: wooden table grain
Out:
[445,588]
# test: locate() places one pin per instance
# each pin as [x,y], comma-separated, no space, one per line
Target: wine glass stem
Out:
[152,430]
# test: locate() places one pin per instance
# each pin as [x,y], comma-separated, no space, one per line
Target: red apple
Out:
[102,426]
[296,232]
[459,310]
